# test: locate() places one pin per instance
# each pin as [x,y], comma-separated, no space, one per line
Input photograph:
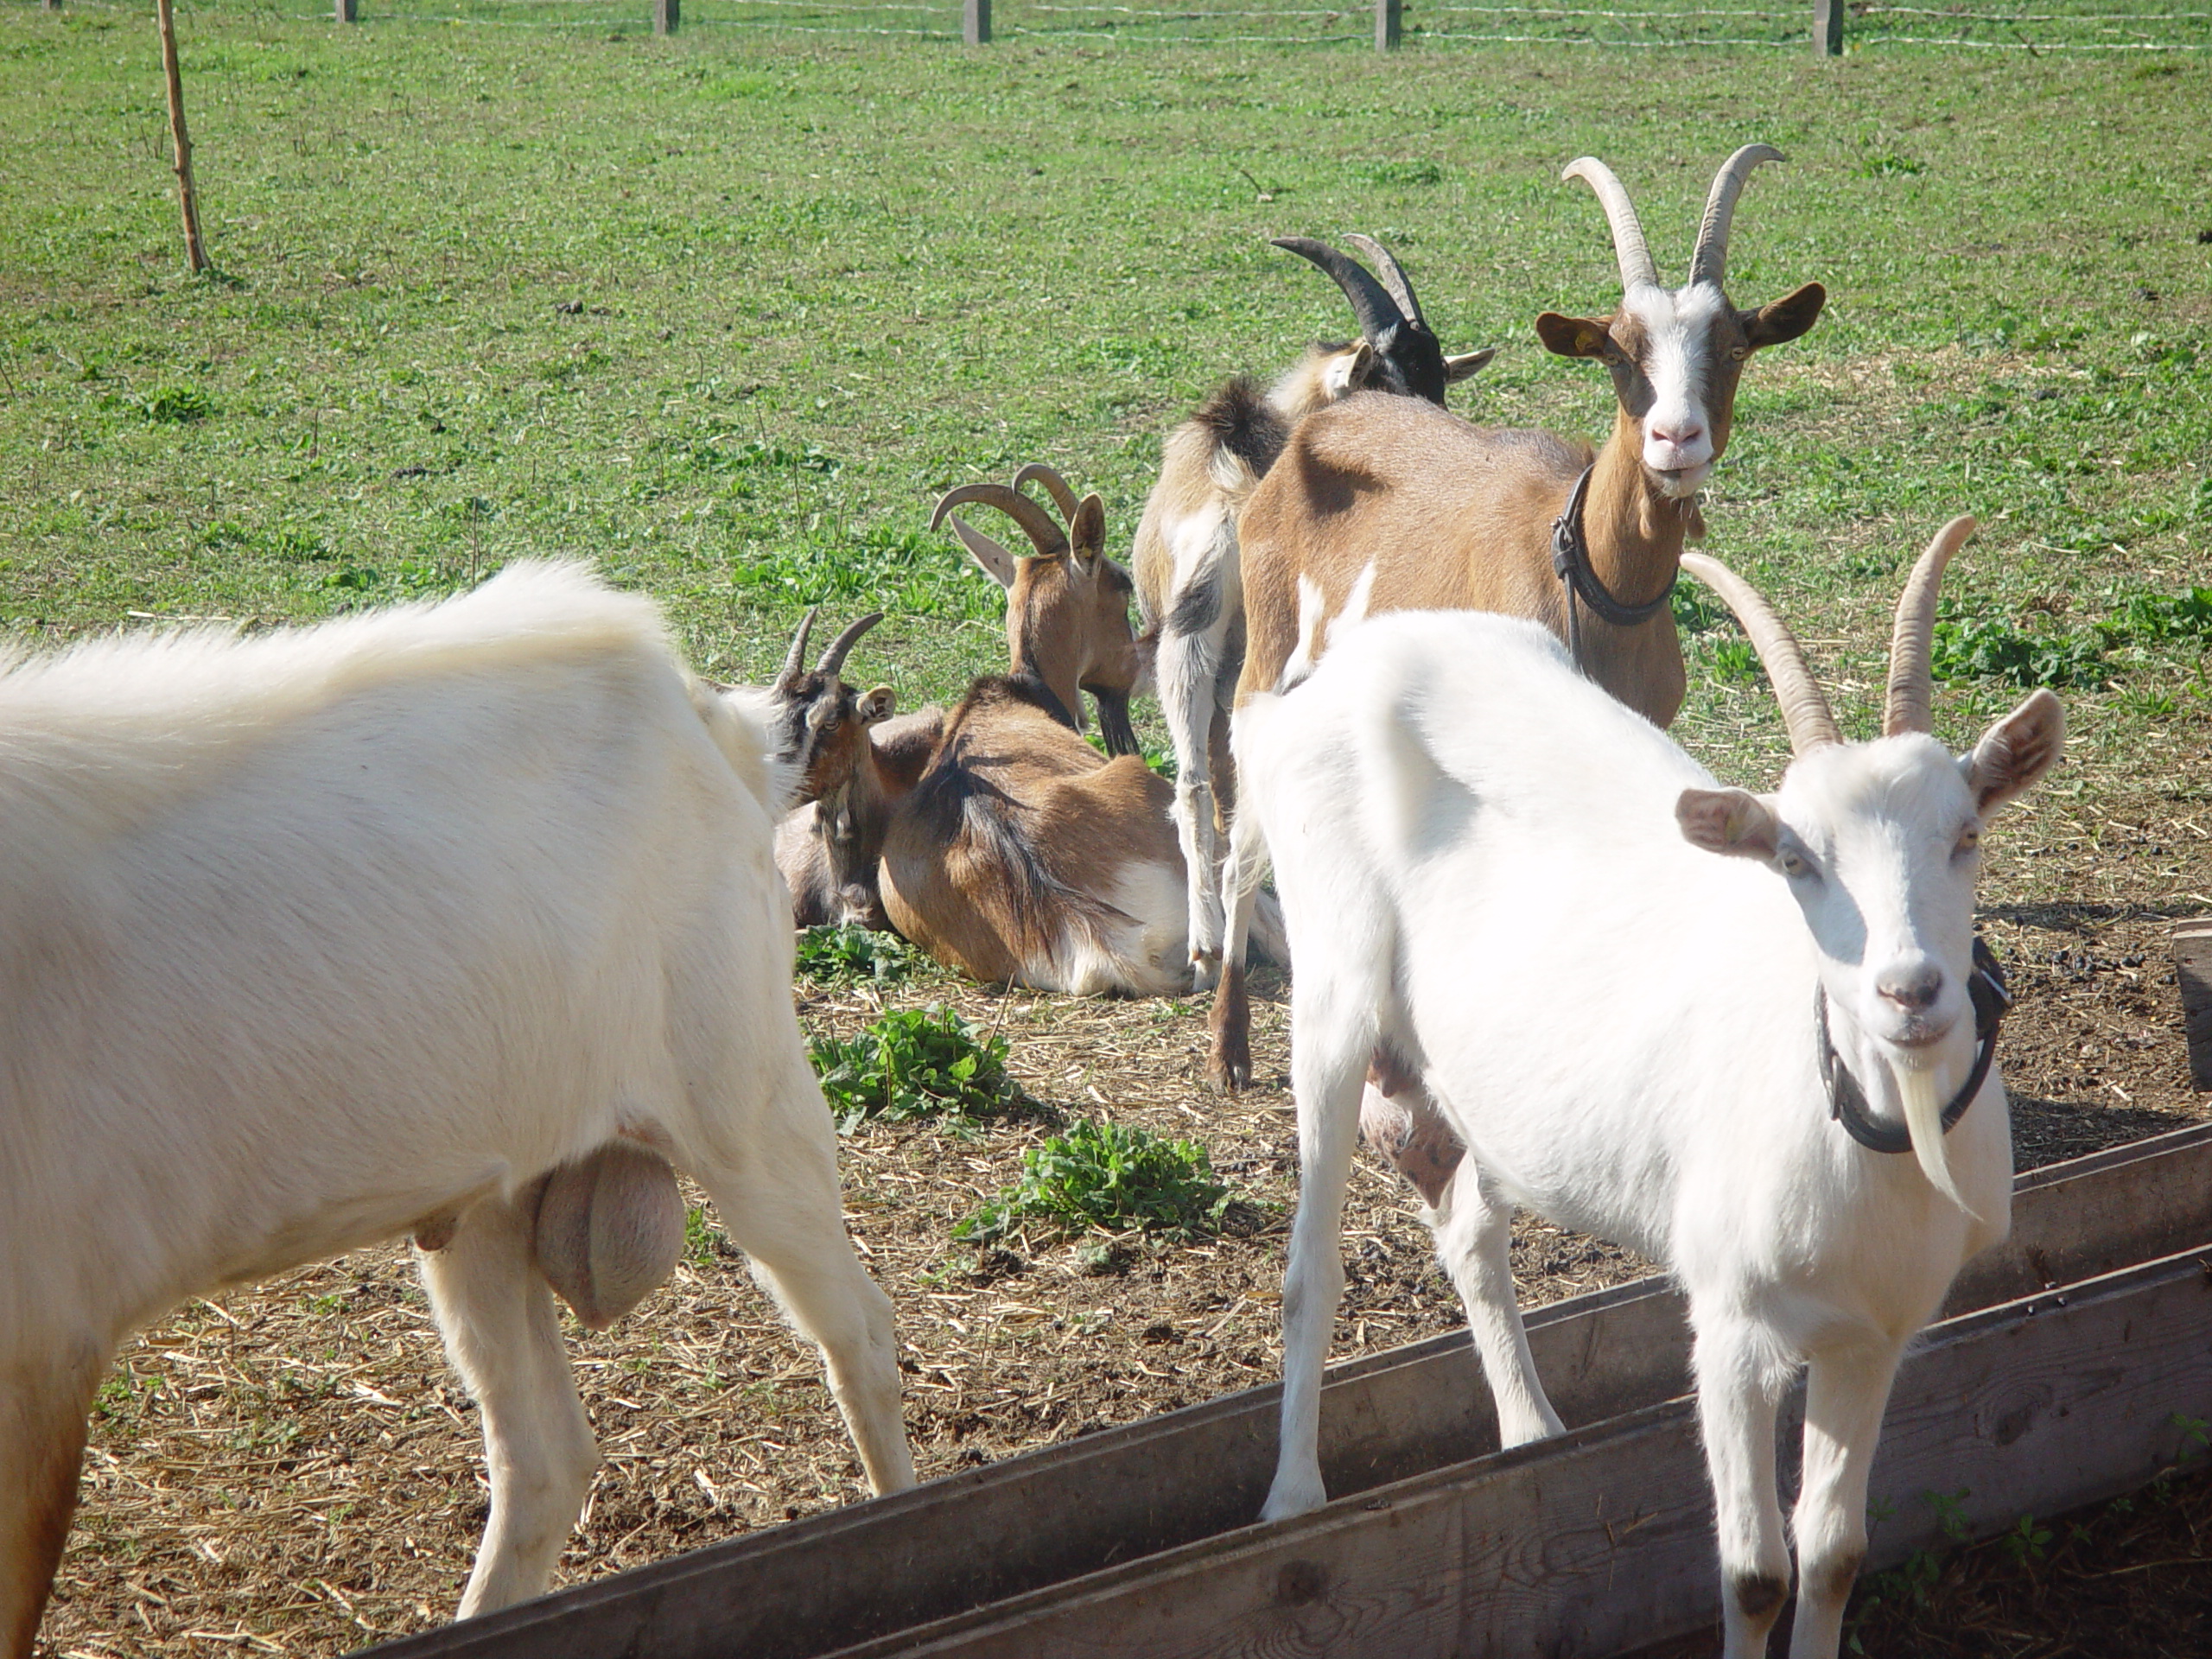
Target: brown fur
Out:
[1454,516]
[998,862]
[828,849]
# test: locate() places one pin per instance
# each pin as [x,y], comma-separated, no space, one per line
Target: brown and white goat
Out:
[1385,503]
[1189,588]
[1067,630]
[852,762]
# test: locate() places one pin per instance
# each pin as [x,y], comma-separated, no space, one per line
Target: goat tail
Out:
[1044,915]
[1243,434]
[1923,1120]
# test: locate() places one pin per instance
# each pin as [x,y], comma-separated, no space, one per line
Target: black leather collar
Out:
[1848,1101]
[1571,561]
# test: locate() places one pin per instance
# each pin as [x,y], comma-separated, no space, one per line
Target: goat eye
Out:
[1792,862]
[1969,839]
[1740,352]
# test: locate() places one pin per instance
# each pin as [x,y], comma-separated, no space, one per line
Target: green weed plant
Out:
[917,1063]
[1110,1178]
[840,954]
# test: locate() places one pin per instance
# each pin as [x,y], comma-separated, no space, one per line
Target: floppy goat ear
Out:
[1457,369]
[1733,822]
[1087,530]
[1785,318]
[2014,753]
[992,559]
[1348,371]
[1577,337]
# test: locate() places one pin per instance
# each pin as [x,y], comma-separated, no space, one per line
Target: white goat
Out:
[1502,892]
[451,918]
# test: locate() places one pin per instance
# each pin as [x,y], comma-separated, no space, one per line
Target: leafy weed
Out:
[917,1063]
[1108,1176]
[837,954]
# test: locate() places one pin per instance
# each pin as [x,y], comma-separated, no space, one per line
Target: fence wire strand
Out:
[1617,26]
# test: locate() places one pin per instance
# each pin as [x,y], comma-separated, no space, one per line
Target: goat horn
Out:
[797,656]
[1064,497]
[1393,274]
[1046,535]
[1377,312]
[1709,263]
[833,660]
[1628,245]
[1912,686]
[1804,709]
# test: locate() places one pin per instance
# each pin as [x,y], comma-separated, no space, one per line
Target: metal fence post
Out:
[975,22]
[667,14]
[1827,28]
[1386,25]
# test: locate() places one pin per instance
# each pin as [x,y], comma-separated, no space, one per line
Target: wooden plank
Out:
[1601,1541]
[1080,1507]
[2193,966]
[1827,28]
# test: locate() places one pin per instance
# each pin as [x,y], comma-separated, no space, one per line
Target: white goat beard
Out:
[1923,1119]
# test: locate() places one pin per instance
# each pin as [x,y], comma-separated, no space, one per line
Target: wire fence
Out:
[2069,26]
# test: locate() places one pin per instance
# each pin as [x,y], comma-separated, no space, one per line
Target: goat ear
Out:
[878,705]
[1457,369]
[2014,753]
[992,560]
[1348,371]
[1087,530]
[1576,337]
[1785,319]
[1733,822]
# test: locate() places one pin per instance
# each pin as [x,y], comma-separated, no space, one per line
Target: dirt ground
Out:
[294,1469]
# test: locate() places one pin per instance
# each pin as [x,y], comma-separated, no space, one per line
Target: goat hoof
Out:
[1203,972]
[1229,1073]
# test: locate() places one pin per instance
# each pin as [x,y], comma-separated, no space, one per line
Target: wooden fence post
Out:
[975,22]
[347,11]
[1386,25]
[2193,967]
[165,19]
[667,14]
[1827,28]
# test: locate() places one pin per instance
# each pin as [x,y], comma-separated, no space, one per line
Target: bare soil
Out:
[293,1469]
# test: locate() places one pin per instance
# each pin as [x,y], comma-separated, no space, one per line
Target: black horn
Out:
[833,660]
[1410,362]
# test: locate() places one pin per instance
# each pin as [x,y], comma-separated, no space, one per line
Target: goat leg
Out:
[43,1404]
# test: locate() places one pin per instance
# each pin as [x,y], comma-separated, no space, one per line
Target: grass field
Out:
[723,314]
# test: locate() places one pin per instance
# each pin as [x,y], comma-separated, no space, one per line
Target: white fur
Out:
[305,938]
[1481,870]
[1678,426]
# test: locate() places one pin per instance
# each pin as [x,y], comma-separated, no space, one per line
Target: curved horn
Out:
[833,660]
[1393,274]
[1620,213]
[1046,535]
[1913,687]
[796,655]
[1709,263]
[1064,497]
[1804,708]
[1377,312]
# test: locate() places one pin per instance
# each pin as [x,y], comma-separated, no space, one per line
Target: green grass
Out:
[723,313]
[1108,1177]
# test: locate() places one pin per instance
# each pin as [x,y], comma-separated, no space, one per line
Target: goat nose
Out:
[1911,988]
[1681,436]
